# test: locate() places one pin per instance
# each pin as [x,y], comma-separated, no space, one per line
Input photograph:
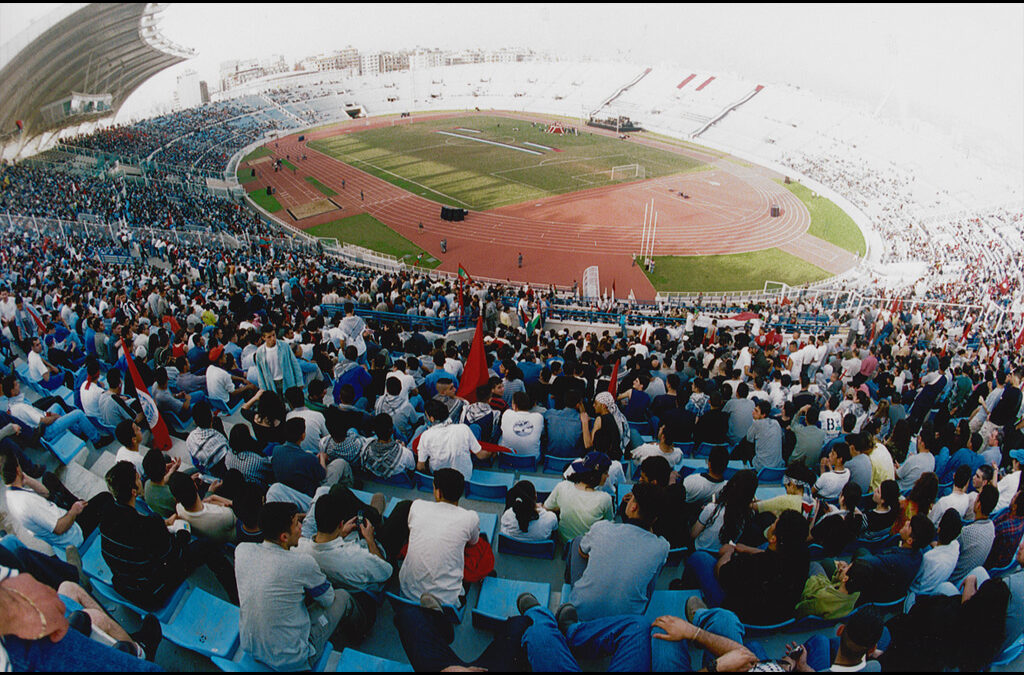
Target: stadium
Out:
[517,357]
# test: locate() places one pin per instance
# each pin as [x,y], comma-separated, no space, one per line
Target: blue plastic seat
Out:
[557,465]
[66,448]
[511,460]
[205,624]
[424,481]
[497,601]
[243,662]
[1011,653]
[686,447]
[489,486]
[488,524]
[675,556]
[1004,570]
[399,480]
[223,407]
[66,394]
[544,485]
[453,613]
[530,549]
[176,422]
[771,475]
[351,661]
[756,629]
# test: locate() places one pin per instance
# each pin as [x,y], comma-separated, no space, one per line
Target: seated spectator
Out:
[288,610]
[166,401]
[834,474]
[316,424]
[796,482]
[1009,484]
[895,570]
[702,487]
[809,438]
[301,471]
[577,501]
[210,517]
[860,463]
[1009,530]
[41,371]
[157,493]
[741,414]
[606,583]
[246,506]
[266,413]
[837,597]
[611,433]
[919,500]
[385,456]
[882,466]
[186,380]
[763,442]
[221,385]
[976,538]
[446,394]
[836,530]
[712,426]
[760,586]
[725,519]
[957,499]
[439,532]
[346,550]
[521,429]
[243,457]
[637,400]
[674,522]
[562,427]
[447,445]
[917,464]
[403,415]
[663,448]
[341,440]
[129,435]
[206,444]
[50,425]
[114,406]
[523,517]
[939,561]
[62,521]
[148,561]
[886,498]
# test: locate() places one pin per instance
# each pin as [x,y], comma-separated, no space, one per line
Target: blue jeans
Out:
[700,568]
[76,422]
[673,657]
[73,653]
[626,638]
[279,492]
[51,382]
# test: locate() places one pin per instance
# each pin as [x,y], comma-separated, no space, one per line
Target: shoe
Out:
[33,470]
[74,559]
[81,622]
[431,602]
[103,441]
[149,636]
[694,603]
[59,494]
[525,602]
[377,502]
[566,616]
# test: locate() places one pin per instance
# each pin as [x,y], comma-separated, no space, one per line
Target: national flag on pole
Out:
[39,322]
[1019,342]
[613,290]
[161,438]
[967,329]
[613,386]
[464,275]
[475,372]
[534,323]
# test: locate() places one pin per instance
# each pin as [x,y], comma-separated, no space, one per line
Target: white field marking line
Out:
[472,131]
[484,140]
[538,145]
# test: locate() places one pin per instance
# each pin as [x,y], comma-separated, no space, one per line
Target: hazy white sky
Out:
[950,62]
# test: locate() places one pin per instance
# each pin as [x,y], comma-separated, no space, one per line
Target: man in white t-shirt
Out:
[221,384]
[958,499]
[129,435]
[438,535]
[831,482]
[521,429]
[316,423]
[446,444]
[42,371]
[91,390]
[407,380]
[351,329]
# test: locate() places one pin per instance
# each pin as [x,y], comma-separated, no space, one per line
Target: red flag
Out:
[967,329]
[42,326]
[475,372]
[161,438]
[1020,340]
[613,386]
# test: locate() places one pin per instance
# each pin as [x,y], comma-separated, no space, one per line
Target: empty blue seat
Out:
[204,623]
[488,524]
[497,601]
[557,465]
[177,423]
[527,548]
[66,448]
[489,486]
[351,661]
[771,475]
[66,394]
[543,485]
[511,460]
[223,407]
[751,629]
[1010,654]
[424,481]
[686,447]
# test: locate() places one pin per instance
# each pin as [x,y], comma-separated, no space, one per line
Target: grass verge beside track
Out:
[829,222]
[267,202]
[320,186]
[366,231]
[736,272]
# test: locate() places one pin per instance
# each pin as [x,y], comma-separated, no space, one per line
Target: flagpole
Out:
[643,234]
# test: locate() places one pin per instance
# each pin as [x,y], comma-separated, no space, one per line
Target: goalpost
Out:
[628,171]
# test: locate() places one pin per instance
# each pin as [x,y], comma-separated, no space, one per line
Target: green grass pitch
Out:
[480,176]
[736,272]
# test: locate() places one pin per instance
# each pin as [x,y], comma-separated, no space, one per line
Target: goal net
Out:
[628,171]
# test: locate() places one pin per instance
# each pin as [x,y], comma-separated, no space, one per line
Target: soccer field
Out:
[482,161]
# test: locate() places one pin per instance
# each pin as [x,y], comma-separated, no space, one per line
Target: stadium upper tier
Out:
[79,65]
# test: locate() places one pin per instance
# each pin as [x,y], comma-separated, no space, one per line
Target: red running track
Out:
[727,212]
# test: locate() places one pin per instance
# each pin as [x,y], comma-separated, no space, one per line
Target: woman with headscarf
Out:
[610,434]
[385,456]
